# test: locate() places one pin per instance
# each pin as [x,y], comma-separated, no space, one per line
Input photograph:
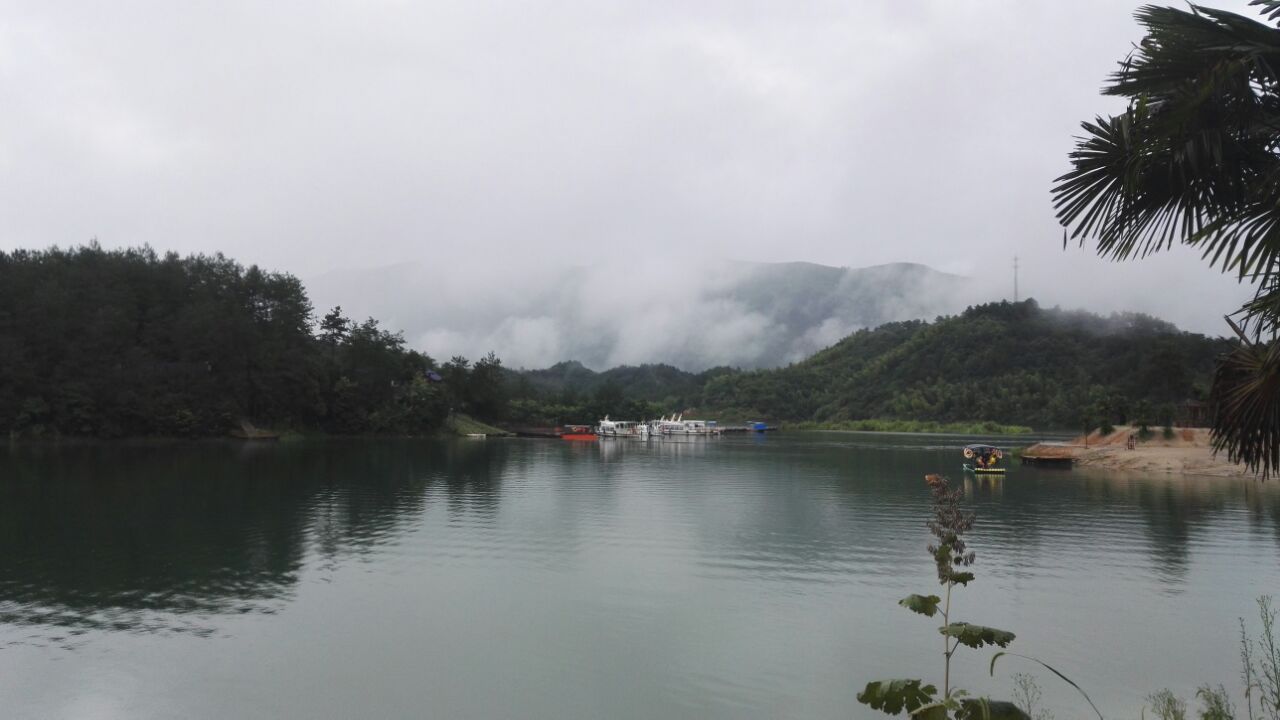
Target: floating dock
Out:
[1045,455]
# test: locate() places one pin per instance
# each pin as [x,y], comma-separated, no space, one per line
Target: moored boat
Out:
[618,428]
[681,426]
[577,432]
[984,458]
[665,426]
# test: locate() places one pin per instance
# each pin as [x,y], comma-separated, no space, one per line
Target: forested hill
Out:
[662,384]
[1007,362]
[128,342]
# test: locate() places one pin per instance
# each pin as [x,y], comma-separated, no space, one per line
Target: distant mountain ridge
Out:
[1003,362]
[689,315]
[1008,362]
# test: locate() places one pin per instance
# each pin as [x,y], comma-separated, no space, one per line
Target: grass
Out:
[914,426]
[460,424]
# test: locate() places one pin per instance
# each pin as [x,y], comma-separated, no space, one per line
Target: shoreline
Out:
[915,427]
[457,425]
[1189,452]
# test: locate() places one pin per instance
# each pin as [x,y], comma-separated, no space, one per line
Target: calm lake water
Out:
[746,577]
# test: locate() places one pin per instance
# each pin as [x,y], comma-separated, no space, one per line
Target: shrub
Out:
[1166,706]
[1214,703]
[951,555]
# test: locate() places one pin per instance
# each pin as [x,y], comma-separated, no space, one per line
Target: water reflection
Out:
[154,537]
[984,486]
[725,567]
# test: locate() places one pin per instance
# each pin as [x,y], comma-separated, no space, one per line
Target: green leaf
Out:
[1246,418]
[924,604]
[961,578]
[1051,669]
[893,696]
[975,636]
[1270,8]
[936,710]
[987,709]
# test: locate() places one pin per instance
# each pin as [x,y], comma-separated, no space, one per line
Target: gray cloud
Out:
[694,314]
[494,142]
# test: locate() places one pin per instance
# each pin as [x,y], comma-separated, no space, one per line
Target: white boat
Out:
[680,426]
[666,426]
[701,427]
[618,428]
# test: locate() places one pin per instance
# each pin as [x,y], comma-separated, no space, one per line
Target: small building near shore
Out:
[1192,413]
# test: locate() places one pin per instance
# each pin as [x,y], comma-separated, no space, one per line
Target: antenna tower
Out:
[1015,278]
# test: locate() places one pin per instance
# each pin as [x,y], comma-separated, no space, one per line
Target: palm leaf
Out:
[1193,160]
[1270,8]
[1245,401]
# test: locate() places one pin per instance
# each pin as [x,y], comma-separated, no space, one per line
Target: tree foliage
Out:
[1007,362]
[130,342]
[1193,160]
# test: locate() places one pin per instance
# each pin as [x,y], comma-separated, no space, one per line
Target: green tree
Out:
[456,374]
[334,326]
[487,394]
[129,342]
[1193,160]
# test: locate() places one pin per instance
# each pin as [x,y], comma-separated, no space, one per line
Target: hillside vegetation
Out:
[1007,362]
[129,342]
[1010,362]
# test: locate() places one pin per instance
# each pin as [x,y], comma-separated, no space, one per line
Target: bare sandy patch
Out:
[1188,452]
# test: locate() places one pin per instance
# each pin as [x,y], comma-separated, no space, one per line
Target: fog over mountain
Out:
[690,314]
[501,148]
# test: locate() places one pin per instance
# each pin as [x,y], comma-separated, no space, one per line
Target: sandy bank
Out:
[1188,453]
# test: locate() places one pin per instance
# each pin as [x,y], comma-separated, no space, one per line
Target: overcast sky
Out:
[498,140]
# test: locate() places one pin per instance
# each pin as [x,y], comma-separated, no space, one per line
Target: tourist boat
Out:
[618,428]
[665,426]
[691,427]
[983,459]
[577,432]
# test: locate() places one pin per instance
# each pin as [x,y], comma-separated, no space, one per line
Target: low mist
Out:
[694,315]
[703,312]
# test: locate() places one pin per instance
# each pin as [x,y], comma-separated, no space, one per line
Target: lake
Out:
[744,577]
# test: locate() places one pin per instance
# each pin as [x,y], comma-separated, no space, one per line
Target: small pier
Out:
[1059,462]
[1045,455]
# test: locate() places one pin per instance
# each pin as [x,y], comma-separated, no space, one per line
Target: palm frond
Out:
[1246,405]
[1194,158]
[1270,8]
[1261,315]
